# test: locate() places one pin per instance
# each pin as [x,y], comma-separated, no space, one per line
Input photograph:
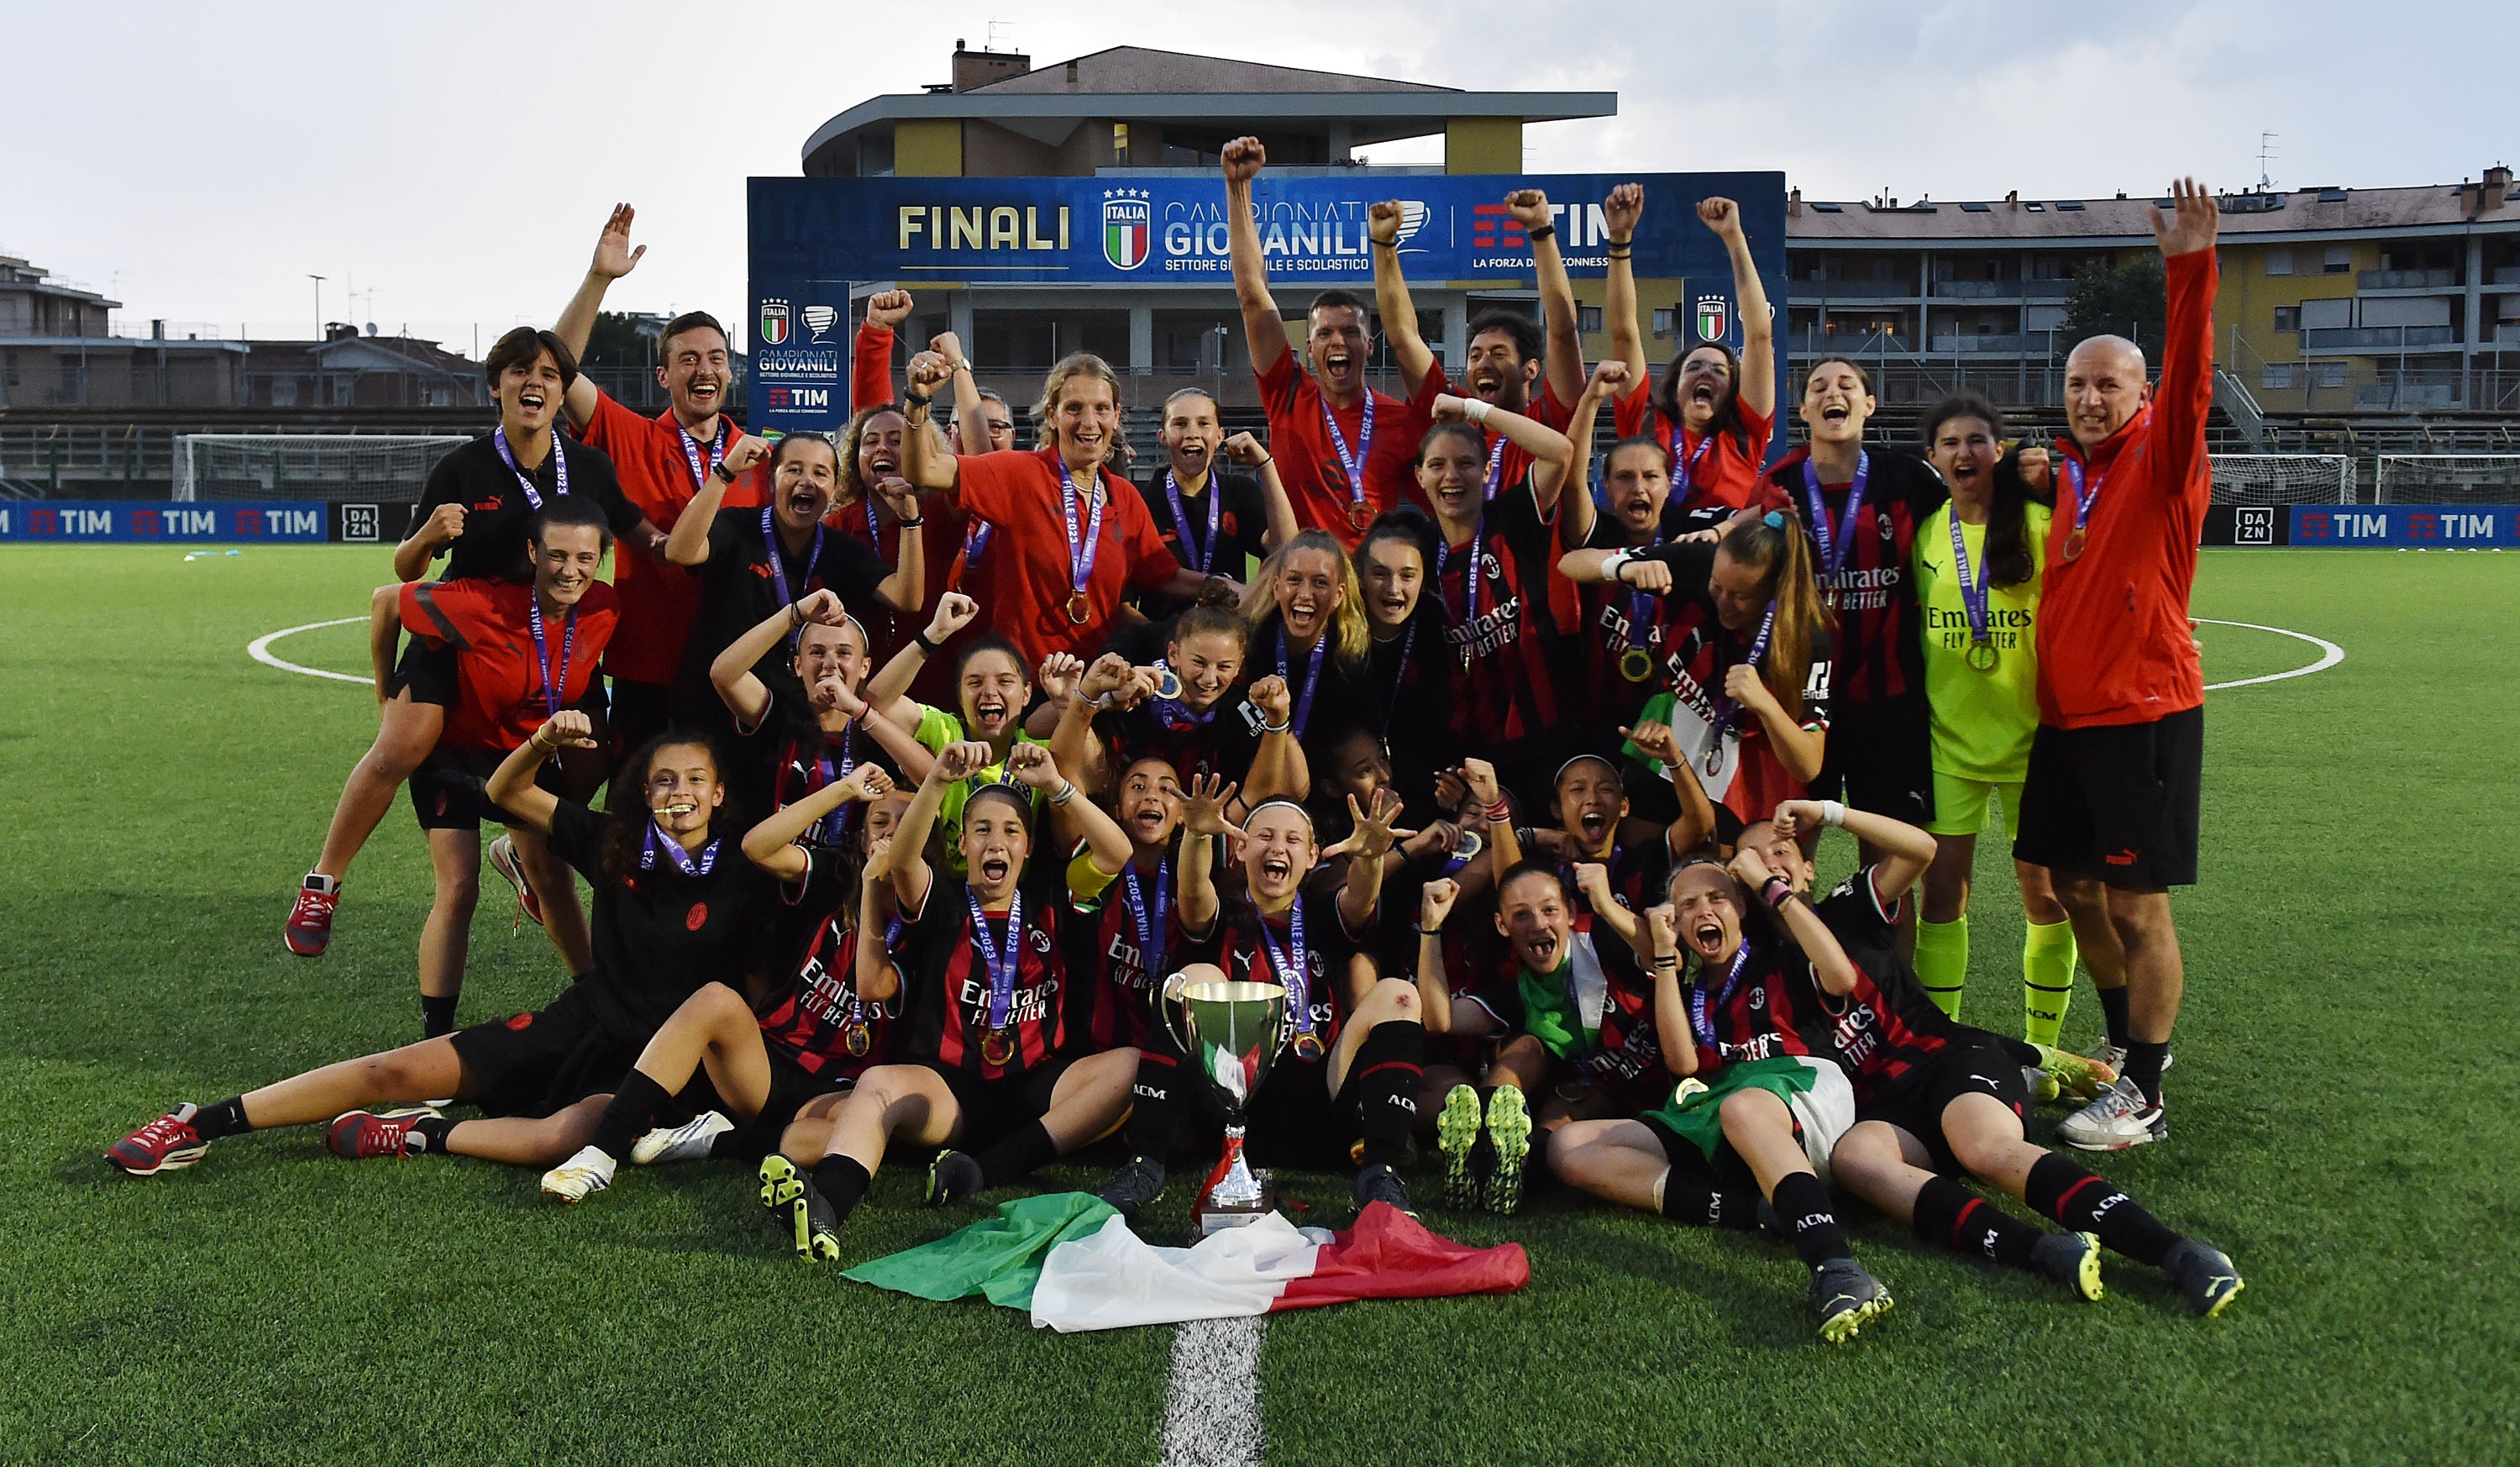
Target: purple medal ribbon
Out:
[1496,467]
[2083,503]
[1471,577]
[1312,677]
[1354,463]
[1002,973]
[553,693]
[1292,974]
[779,564]
[1399,680]
[833,828]
[1689,471]
[1638,601]
[1181,521]
[1832,549]
[1080,559]
[657,839]
[1150,920]
[692,452]
[1697,1004]
[1726,709]
[1973,598]
[1176,714]
[559,467]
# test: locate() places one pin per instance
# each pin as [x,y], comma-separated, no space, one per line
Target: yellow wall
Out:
[1483,145]
[927,147]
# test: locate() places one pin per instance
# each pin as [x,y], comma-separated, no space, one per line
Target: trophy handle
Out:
[1164,1007]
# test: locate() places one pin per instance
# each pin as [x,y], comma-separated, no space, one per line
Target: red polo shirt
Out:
[1023,580]
[1308,462]
[499,676]
[1725,471]
[657,601]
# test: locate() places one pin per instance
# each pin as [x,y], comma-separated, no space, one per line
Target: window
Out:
[2327,315]
[2279,261]
[2340,260]
[2275,375]
[1588,319]
[1120,142]
[1662,320]
[2036,207]
[1828,209]
[2287,318]
[2327,374]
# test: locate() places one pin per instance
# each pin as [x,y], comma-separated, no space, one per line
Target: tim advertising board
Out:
[813,238]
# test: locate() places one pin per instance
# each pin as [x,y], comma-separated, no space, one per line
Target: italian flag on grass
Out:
[1071,1261]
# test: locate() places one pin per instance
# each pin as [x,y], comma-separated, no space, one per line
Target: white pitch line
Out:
[1212,1404]
[2329,653]
[259,649]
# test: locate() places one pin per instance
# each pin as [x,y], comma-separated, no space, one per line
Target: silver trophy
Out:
[1235,1032]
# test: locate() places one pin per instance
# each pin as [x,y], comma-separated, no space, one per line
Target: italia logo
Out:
[774,323]
[1714,318]
[1128,228]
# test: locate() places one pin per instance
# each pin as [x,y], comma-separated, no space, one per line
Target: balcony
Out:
[2406,280]
[2368,340]
[1852,290]
[2003,290]
[2001,344]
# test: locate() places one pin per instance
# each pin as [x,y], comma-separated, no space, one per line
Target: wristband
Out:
[1666,960]
[1544,232]
[724,473]
[1499,812]
[1476,409]
[1619,244]
[1831,813]
[1431,932]
[1277,729]
[1617,562]
[1391,244]
[1621,254]
[1065,791]
[911,524]
[1776,893]
[963,365]
[913,401]
[927,644]
[795,615]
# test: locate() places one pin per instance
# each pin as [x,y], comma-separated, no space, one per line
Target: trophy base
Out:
[1248,1196]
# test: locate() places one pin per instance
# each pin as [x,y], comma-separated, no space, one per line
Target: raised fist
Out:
[1722,216]
[888,308]
[746,452]
[1244,157]
[1621,211]
[1530,209]
[1382,222]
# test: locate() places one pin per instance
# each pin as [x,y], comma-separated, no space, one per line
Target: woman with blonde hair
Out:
[1308,626]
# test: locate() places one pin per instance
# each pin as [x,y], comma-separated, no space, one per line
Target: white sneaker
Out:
[580,1178]
[2121,1118]
[2114,1057]
[686,1142]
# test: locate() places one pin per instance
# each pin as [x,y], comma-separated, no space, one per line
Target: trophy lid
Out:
[1233,992]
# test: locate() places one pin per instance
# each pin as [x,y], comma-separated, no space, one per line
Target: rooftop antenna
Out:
[994,28]
[2266,159]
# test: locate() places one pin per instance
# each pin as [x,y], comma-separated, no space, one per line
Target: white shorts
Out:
[1825,1111]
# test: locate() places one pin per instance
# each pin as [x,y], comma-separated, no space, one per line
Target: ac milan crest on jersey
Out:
[774,323]
[1128,228]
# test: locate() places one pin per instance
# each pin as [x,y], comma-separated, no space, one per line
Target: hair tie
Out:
[1774,518]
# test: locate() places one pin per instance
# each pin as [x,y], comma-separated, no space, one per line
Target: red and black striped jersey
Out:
[1504,639]
[821,1023]
[1884,1032]
[1767,1012]
[1879,654]
[1130,939]
[1243,942]
[946,993]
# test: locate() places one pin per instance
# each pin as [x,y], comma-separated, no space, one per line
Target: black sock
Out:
[1697,1201]
[842,1182]
[2113,1009]
[1953,1215]
[1017,1155]
[1154,1113]
[1811,1218]
[226,1119]
[2089,1203]
[436,1014]
[2143,1067]
[745,1143]
[1388,1077]
[635,1103]
[432,1131]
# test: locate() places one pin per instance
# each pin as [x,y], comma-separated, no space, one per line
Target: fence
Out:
[2447,478]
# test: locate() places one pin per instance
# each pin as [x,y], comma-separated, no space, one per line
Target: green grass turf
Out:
[2340,1123]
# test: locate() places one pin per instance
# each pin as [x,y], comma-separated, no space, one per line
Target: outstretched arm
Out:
[1619,215]
[1757,387]
[906,865]
[1563,368]
[614,259]
[923,459]
[512,786]
[772,844]
[689,543]
[2186,393]
[1670,1000]
[888,691]
[731,673]
[1105,843]
[1830,964]
[1279,769]
[970,420]
[1391,298]
[1264,331]
[1443,1013]
[1550,454]
[1203,803]
[1366,847]
[1905,851]
[1606,383]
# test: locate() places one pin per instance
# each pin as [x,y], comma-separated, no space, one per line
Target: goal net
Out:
[2283,478]
[378,467]
[2449,478]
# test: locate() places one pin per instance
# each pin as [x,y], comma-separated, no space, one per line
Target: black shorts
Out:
[538,1063]
[425,670]
[791,1086]
[2116,803]
[1970,1067]
[1725,1171]
[1296,1122]
[449,791]
[993,1109]
[1879,757]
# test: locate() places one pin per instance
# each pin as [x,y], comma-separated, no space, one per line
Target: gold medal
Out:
[998,1048]
[854,1036]
[1360,513]
[1715,758]
[1077,608]
[2074,545]
[1308,1045]
[1982,657]
[1635,665]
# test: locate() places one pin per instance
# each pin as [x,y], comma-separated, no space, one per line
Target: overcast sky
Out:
[200,162]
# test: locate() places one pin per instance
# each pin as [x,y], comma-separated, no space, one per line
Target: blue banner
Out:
[2405,526]
[812,237]
[161,522]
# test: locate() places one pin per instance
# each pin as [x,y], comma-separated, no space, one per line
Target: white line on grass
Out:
[259,649]
[1212,1405]
[2329,653]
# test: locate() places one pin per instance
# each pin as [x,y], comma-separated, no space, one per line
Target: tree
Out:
[2130,298]
[615,341]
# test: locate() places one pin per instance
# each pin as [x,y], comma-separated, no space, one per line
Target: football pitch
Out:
[2340,1123]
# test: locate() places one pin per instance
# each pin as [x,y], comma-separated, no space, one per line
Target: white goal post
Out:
[376,468]
[2283,478]
[2450,479]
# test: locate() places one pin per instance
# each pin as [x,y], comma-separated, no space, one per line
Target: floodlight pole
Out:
[318,306]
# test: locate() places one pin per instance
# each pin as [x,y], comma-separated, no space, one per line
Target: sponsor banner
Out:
[2248,524]
[161,522]
[2405,526]
[798,355]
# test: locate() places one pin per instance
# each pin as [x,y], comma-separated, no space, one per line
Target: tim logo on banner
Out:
[1128,228]
[1714,318]
[774,323]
